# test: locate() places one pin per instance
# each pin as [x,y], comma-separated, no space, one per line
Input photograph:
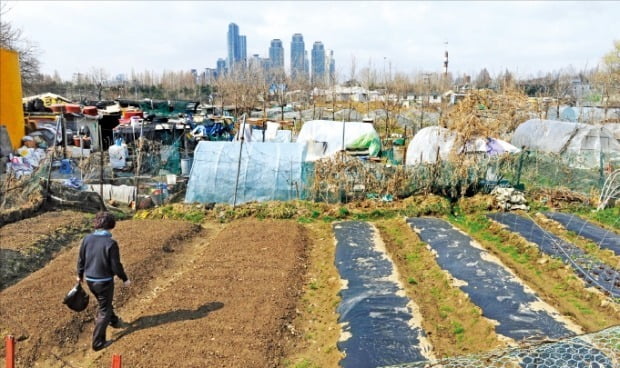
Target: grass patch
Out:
[429,287]
[608,218]
[316,318]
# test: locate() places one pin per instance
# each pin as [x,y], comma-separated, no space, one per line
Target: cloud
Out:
[527,36]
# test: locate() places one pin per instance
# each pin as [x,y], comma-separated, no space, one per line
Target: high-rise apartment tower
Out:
[318,63]
[298,56]
[276,55]
[237,47]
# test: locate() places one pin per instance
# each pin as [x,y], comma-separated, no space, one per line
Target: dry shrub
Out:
[485,113]
[425,205]
[342,178]
[476,204]
[558,197]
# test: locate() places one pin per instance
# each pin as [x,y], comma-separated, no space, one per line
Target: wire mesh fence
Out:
[600,349]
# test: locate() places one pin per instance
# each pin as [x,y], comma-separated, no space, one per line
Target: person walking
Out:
[98,262]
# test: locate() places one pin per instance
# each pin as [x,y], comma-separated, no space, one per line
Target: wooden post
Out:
[9,342]
[117,361]
[100,134]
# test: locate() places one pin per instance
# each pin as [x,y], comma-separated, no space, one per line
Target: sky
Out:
[527,38]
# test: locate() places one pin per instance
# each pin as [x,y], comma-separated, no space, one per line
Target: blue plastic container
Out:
[65,166]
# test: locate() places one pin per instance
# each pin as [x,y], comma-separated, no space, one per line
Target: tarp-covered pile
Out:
[325,138]
[432,143]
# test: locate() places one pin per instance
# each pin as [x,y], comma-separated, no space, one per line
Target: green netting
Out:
[599,349]
[354,178]
[536,169]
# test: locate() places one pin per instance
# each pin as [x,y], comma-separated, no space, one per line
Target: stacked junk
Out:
[130,153]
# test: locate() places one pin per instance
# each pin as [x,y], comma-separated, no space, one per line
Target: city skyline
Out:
[524,37]
[298,66]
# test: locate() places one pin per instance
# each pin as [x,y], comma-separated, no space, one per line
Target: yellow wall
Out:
[11,110]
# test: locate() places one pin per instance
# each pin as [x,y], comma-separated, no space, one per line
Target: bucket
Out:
[186,166]
[399,154]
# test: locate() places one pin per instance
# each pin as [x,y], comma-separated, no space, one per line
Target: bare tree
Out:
[607,78]
[11,38]
[483,80]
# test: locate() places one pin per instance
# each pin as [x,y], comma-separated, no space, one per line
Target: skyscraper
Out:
[220,68]
[233,45]
[306,65]
[297,55]
[243,48]
[237,46]
[330,65]
[318,63]
[276,54]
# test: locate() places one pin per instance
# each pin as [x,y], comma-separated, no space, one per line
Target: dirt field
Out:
[27,245]
[246,293]
[222,296]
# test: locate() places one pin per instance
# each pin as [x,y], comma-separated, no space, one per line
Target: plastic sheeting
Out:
[425,144]
[591,270]
[328,135]
[373,311]
[267,171]
[602,237]
[499,293]
[583,141]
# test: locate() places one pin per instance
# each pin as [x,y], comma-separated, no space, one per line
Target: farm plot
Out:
[602,237]
[380,325]
[45,329]
[27,245]
[222,298]
[503,298]
[593,271]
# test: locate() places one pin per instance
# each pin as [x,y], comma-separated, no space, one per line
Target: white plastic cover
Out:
[327,136]
[559,137]
[431,141]
[584,142]
[267,171]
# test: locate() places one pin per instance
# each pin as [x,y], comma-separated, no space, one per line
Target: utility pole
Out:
[445,60]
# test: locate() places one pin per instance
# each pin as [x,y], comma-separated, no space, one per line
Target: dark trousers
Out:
[104,292]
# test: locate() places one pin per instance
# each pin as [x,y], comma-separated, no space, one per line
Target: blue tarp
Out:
[268,171]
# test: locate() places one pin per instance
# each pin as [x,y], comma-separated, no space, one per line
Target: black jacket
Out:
[99,257]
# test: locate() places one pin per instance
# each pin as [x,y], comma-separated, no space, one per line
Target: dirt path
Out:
[223,298]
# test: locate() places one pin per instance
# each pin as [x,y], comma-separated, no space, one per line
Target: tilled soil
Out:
[27,245]
[218,297]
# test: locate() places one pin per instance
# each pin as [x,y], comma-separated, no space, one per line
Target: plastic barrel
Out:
[186,166]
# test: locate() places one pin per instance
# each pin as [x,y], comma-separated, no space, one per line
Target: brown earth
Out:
[223,296]
[28,245]
[249,293]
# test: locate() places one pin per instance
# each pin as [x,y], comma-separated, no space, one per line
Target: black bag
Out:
[76,299]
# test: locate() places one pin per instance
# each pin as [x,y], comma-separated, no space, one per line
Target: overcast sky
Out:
[524,37]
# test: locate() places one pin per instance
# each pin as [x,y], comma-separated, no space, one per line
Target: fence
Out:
[599,349]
